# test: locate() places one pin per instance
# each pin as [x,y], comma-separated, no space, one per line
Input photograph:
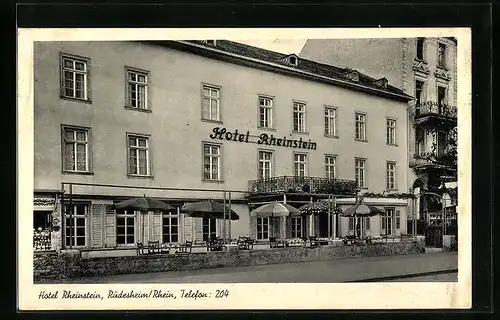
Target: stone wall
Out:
[69,264]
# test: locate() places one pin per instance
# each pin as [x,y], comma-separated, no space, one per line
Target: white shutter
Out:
[156,226]
[110,227]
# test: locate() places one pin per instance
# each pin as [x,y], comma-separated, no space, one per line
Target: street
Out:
[344,270]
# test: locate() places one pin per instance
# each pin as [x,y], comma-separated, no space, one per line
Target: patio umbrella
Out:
[275,209]
[208,209]
[362,210]
[144,204]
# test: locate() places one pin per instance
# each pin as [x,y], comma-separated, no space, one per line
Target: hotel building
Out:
[182,121]
[425,68]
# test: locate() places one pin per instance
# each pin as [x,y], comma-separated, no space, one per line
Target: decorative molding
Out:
[420,66]
[352,75]
[442,74]
[405,65]
[288,60]
[382,83]
[44,202]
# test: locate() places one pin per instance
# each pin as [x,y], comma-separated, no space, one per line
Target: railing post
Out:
[71,216]
[224,218]
[229,195]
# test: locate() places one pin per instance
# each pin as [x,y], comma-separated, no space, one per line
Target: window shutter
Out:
[198,229]
[367,223]
[97,211]
[188,227]
[61,76]
[110,227]
[156,227]
[253,227]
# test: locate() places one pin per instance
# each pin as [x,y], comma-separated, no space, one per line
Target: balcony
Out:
[291,184]
[435,114]
[426,160]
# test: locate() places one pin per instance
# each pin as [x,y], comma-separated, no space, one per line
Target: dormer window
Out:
[211,42]
[293,60]
[383,82]
[352,75]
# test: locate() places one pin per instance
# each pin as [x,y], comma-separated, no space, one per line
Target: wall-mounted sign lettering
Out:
[264,138]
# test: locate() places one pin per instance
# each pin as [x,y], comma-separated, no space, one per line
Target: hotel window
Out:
[387,221]
[211,103]
[361,173]
[299,117]
[391,175]
[330,121]
[209,228]
[266,112]
[296,227]
[138,149]
[265,164]
[351,223]
[330,163]
[74,77]
[76,225]
[367,223]
[211,162]
[170,228]
[419,86]
[360,127]
[441,95]
[299,165]
[262,228]
[420,49]
[76,150]
[125,227]
[442,55]
[137,89]
[391,131]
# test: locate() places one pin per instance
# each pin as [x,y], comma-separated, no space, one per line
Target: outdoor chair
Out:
[186,248]
[246,244]
[154,247]
[140,248]
[314,243]
[272,242]
[215,245]
[242,243]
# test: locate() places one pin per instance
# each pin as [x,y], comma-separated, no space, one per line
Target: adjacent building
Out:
[425,68]
[183,121]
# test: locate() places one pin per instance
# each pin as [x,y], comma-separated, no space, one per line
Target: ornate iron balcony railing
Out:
[293,184]
[434,108]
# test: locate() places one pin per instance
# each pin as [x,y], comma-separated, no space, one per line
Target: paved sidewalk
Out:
[345,270]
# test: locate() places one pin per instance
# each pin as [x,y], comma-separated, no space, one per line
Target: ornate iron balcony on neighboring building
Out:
[435,114]
[430,160]
[433,108]
[291,184]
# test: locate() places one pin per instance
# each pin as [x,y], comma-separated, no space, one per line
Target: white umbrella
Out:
[275,209]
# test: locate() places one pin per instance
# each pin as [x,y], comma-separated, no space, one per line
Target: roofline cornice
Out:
[228,56]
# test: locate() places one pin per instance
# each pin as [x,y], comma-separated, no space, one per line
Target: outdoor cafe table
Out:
[168,247]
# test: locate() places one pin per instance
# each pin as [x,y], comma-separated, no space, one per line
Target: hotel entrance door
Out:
[323,225]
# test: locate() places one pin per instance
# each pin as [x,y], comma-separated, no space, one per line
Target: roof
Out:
[342,76]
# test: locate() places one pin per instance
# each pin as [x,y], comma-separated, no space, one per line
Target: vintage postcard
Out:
[244,169]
